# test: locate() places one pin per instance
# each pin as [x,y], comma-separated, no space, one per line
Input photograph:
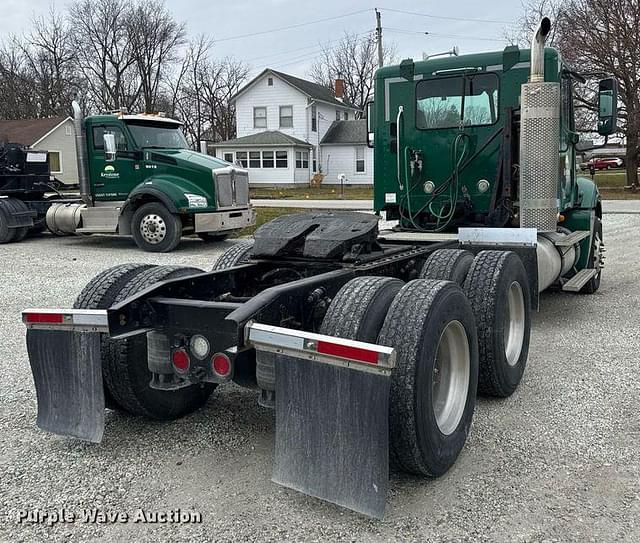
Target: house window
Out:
[260,117]
[346,115]
[55,162]
[267,159]
[241,157]
[337,114]
[270,81]
[68,130]
[228,157]
[302,159]
[314,119]
[254,159]
[282,159]
[359,159]
[286,116]
[314,165]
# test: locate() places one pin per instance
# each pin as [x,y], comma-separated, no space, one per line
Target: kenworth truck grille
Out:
[232,187]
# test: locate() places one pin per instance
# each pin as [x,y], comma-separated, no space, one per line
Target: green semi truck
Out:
[370,345]
[138,177]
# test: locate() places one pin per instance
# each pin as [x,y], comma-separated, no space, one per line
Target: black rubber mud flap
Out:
[67,372]
[332,433]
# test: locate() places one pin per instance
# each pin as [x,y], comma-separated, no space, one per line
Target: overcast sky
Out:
[293,50]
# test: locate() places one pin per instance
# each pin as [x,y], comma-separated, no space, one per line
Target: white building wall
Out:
[62,139]
[280,94]
[341,159]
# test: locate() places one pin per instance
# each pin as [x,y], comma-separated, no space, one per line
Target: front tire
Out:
[155,229]
[596,256]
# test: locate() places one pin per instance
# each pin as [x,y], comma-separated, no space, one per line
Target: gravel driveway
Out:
[558,461]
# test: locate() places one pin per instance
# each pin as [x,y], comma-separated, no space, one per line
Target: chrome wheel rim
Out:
[514,324]
[153,228]
[450,380]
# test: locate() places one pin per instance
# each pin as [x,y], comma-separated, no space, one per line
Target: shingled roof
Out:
[265,139]
[28,131]
[311,89]
[346,133]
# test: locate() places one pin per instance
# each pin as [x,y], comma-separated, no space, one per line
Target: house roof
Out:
[269,138]
[28,131]
[311,89]
[346,132]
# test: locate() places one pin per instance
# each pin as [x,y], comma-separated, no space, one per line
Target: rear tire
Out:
[498,289]
[447,265]
[239,253]
[125,370]
[100,293]
[8,206]
[155,229]
[433,386]
[360,307]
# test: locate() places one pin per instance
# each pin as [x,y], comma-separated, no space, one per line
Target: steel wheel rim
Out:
[153,228]
[514,324]
[450,379]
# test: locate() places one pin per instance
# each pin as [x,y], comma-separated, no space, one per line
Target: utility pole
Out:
[379,38]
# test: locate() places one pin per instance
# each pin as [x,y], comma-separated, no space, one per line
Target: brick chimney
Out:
[339,89]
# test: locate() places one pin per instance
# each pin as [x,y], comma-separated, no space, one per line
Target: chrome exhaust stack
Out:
[539,137]
[81,155]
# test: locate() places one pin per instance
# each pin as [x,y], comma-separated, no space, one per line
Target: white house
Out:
[281,121]
[53,134]
[345,155]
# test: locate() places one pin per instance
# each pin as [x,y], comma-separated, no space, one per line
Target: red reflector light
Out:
[344,351]
[45,318]
[181,361]
[221,364]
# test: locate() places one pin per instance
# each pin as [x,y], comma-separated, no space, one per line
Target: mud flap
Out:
[332,433]
[67,373]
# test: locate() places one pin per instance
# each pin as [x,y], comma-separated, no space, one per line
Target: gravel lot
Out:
[558,461]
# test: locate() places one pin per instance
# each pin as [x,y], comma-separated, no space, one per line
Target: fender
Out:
[170,190]
[588,195]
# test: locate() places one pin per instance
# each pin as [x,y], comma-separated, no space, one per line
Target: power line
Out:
[270,31]
[447,18]
[458,36]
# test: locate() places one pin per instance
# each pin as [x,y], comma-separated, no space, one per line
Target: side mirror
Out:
[607,106]
[369,115]
[110,149]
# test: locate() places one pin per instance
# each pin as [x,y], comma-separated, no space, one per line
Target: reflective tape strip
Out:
[317,347]
[77,320]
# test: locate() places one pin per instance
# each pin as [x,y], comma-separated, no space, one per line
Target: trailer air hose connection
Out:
[458,166]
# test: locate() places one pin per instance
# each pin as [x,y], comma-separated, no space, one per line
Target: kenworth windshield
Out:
[159,135]
[448,102]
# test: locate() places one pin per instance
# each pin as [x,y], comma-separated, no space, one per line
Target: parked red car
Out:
[606,163]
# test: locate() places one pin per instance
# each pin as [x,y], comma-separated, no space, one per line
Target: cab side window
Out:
[100,131]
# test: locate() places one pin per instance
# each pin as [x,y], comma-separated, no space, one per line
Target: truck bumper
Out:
[221,221]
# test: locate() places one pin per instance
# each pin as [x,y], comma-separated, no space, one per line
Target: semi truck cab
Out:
[138,177]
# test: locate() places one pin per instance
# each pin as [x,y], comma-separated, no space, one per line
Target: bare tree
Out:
[155,37]
[355,60]
[104,54]
[16,83]
[600,37]
[201,91]
[50,58]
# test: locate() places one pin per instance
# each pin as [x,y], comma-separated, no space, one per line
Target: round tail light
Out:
[180,360]
[221,364]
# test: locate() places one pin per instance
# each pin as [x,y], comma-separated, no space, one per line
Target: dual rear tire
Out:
[463,330]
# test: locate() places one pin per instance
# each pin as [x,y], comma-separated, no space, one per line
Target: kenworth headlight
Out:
[195,200]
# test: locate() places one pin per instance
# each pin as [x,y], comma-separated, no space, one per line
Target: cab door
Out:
[112,181]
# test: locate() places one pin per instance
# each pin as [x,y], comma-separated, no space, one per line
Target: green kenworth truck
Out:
[138,177]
